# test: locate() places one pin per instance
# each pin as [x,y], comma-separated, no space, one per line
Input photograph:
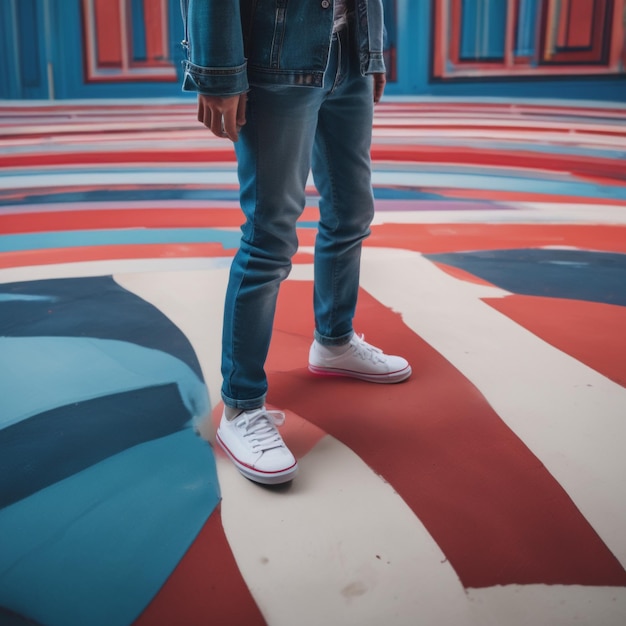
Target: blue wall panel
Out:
[139,33]
[8,74]
[28,47]
[483,27]
[526,32]
[23,50]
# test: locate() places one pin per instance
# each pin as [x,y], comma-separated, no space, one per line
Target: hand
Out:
[223,116]
[380,80]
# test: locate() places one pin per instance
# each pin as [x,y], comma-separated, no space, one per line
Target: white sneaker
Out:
[254,445]
[358,360]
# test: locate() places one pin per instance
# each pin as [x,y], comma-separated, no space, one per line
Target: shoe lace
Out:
[366,351]
[260,429]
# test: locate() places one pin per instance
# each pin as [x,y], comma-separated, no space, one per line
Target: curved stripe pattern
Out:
[496,264]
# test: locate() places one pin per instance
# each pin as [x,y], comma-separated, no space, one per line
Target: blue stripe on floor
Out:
[131,236]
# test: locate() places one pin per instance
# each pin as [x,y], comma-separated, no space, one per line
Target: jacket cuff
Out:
[376,63]
[215,81]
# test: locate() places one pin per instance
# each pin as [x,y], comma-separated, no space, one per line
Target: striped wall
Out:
[68,49]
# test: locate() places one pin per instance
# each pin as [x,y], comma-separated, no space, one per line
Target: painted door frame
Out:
[43,56]
[25,38]
[415,76]
[71,83]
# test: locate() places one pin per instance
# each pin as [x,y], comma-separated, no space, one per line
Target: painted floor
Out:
[489,489]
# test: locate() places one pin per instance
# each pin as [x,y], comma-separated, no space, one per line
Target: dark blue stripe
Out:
[572,274]
[91,307]
[45,449]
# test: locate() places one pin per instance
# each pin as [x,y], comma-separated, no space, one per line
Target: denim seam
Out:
[333,202]
[338,77]
[234,345]
[345,52]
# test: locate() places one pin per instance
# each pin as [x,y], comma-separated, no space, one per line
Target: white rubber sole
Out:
[257,476]
[388,378]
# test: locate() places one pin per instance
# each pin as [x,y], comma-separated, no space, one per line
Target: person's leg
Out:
[274,157]
[342,173]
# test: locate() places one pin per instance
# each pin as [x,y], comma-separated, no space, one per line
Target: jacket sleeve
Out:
[215,63]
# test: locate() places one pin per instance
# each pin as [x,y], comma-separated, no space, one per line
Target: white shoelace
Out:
[365,351]
[260,429]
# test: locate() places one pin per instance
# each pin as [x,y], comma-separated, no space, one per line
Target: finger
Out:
[200,111]
[216,125]
[230,124]
[379,87]
[378,91]
[241,110]
[204,112]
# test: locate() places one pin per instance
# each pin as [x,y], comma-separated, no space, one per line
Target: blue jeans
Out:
[289,132]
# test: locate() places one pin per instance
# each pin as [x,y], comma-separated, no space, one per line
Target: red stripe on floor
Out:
[434,238]
[206,587]
[523,196]
[613,170]
[489,503]
[591,332]
[92,219]
[85,157]
[52,256]
[580,165]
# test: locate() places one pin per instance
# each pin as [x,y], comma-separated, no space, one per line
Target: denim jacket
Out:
[233,43]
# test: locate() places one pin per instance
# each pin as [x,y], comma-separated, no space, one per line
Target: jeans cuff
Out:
[244,405]
[333,341]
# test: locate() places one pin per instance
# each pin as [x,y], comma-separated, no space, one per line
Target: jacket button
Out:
[325,4]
